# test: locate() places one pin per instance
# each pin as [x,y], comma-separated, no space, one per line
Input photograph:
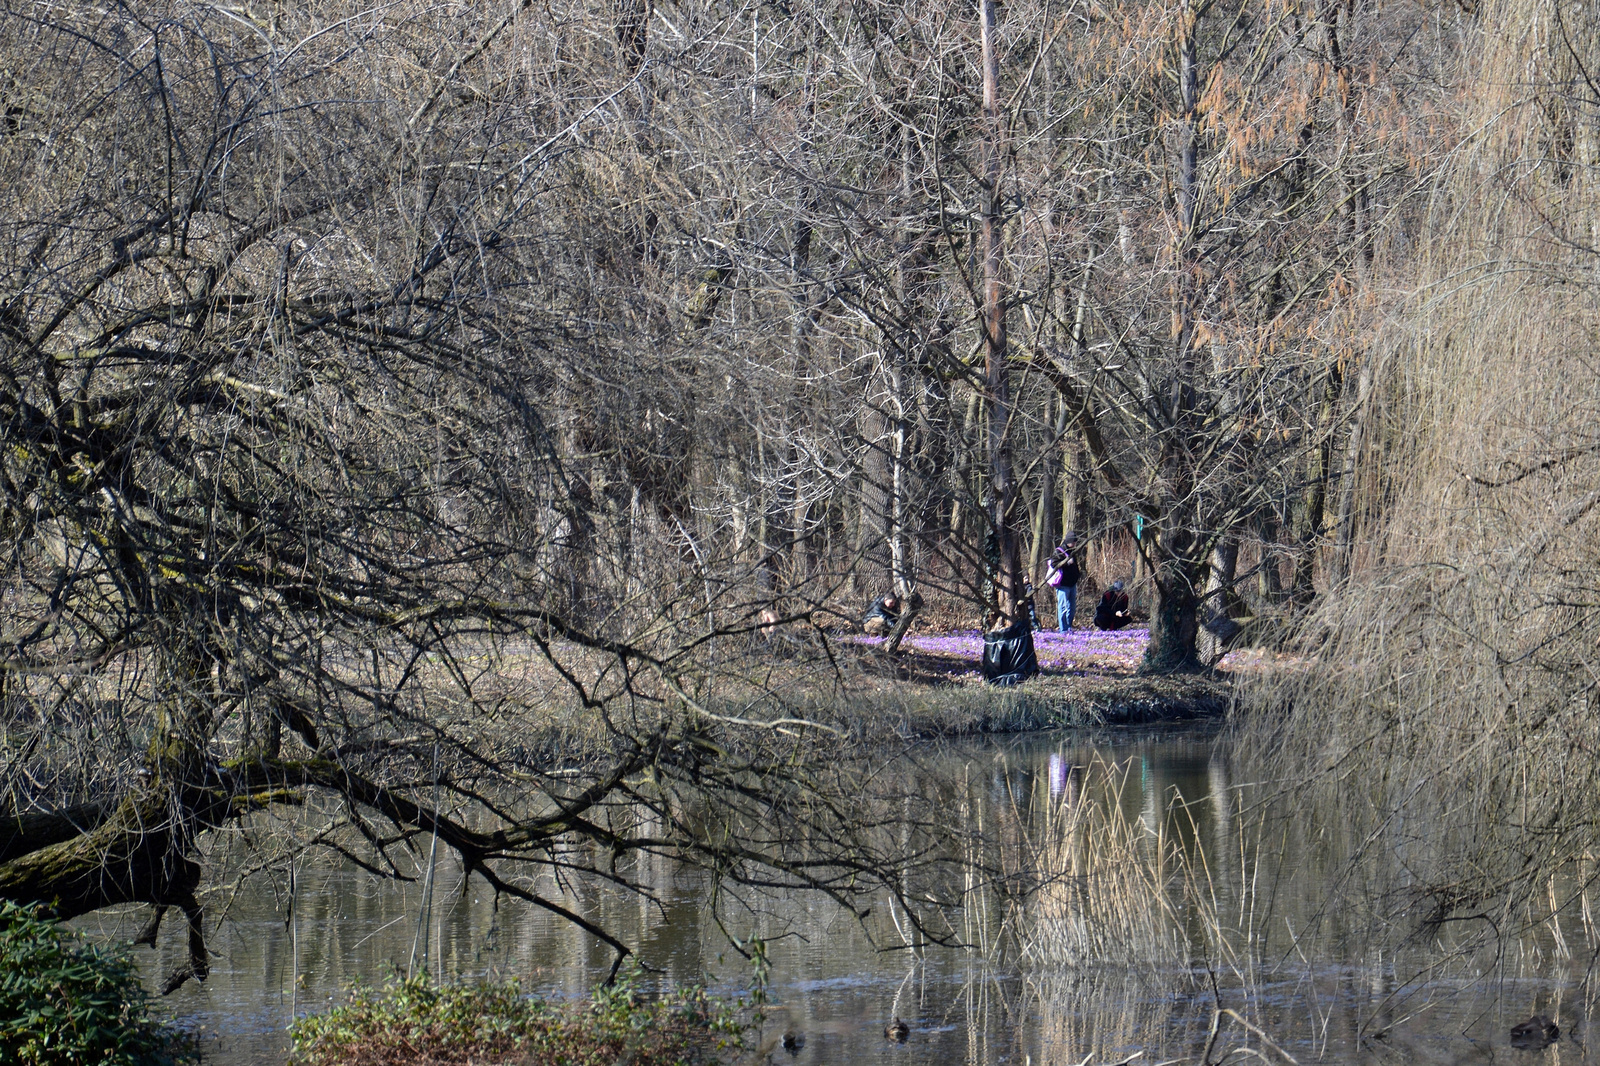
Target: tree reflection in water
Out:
[1135,884]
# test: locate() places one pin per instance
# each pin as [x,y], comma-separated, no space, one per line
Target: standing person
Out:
[1062,575]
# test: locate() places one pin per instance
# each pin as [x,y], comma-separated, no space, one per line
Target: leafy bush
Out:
[417,1023]
[62,1001]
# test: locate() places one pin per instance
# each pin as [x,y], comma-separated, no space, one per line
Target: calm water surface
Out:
[839,981]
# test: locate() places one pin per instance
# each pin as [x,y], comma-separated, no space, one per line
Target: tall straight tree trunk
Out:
[772,538]
[964,476]
[876,474]
[1270,581]
[911,284]
[801,562]
[1002,483]
[1044,519]
[1075,514]
[902,578]
[1355,223]
[1075,460]
[1179,568]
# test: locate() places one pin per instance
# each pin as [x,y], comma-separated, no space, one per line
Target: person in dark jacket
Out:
[1112,613]
[882,615]
[1062,575]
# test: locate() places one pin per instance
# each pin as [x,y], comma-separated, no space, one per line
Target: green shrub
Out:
[417,1023]
[65,1002]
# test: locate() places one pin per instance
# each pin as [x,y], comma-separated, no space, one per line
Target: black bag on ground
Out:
[1008,655]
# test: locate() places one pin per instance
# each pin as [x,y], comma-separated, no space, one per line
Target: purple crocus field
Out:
[1079,649]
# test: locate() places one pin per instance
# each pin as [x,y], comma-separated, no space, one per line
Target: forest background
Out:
[415,397]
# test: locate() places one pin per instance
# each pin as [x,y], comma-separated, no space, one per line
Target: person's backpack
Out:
[1064,573]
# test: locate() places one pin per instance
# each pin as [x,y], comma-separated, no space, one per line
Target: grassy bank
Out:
[933,686]
[885,700]
[418,1023]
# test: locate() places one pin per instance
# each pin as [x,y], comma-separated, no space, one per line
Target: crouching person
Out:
[1113,612]
[882,615]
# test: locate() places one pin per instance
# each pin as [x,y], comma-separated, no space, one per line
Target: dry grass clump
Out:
[1106,903]
[1156,925]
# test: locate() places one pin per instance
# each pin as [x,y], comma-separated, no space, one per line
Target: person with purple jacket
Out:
[1062,575]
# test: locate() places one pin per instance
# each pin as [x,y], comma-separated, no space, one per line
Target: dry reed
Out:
[1104,887]
[1449,717]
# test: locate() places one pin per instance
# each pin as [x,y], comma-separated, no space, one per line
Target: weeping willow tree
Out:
[1451,707]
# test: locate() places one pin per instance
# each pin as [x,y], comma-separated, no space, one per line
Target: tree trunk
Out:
[1344,532]
[876,473]
[901,578]
[1043,519]
[805,302]
[1311,513]
[903,349]
[21,834]
[771,538]
[139,851]
[1008,602]
[1178,578]
[1139,574]
[1179,575]
[1269,586]
[133,856]
[1221,600]
[910,607]
[1175,621]
[1072,510]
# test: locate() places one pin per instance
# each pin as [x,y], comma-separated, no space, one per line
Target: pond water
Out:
[1344,995]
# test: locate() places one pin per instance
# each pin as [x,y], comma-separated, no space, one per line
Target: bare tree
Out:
[320,370]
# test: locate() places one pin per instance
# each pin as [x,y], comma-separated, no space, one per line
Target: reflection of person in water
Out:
[1113,610]
[882,615]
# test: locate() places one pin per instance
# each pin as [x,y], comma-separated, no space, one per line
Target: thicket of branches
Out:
[423,399]
[302,503]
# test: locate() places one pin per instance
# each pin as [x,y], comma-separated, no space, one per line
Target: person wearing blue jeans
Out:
[1062,575]
[1066,606]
